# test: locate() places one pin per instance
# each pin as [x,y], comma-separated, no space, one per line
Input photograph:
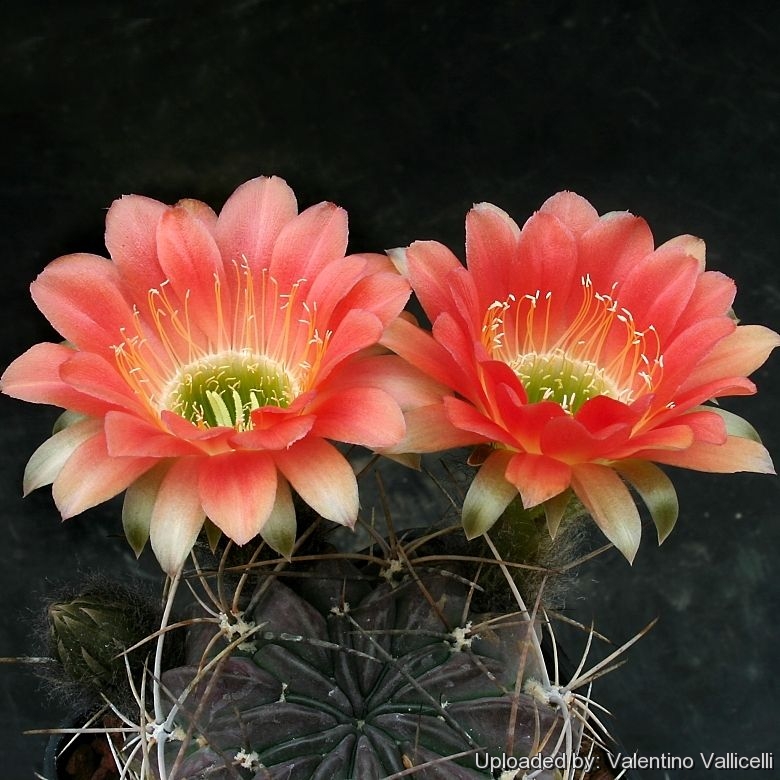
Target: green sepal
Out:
[138,506]
[280,528]
[213,534]
[488,495]
[656,490]
[554,510]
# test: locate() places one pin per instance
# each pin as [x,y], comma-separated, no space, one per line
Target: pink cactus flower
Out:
[582,354]
[210,362]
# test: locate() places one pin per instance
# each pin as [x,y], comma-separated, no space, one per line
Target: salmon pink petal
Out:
[81,298]
[358,330]
[666,437]
[460,345]
[94,376]
[131,240]
[713,296]
[547,259]
[273,431]
[307,243]
[420,350]
[608,500]
[365,416]
[35,376]
[129,435]
[685,358]
[657,291]
[429,265]
[252,219]
[407,385]
[734,455]
[177,516]
[489,494]
[574,211]
[429,429]
[612,247]
[91,476]
[335,283]
[706,425]
[464,416]
[383,294]
[537,477]
[192,263]
[237,492]
[491,249]
[323,478]
[602,412]
[47,461]
[737,355]
[567,440]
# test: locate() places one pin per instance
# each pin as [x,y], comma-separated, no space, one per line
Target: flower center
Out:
[568,355]
[225,389]
[557,377]
[213,362]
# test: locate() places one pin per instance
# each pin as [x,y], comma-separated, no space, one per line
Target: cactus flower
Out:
[210,363]
[582,355]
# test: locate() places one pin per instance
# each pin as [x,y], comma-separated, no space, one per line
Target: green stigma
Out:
[224,389]
[556,377]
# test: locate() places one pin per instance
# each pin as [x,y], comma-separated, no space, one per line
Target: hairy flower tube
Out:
[210,363]
[582,355]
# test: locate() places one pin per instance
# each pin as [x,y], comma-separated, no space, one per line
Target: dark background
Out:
[406,114]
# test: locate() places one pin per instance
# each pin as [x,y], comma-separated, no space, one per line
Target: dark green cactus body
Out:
[350,681]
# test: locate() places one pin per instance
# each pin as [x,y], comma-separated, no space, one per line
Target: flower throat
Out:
[599,352]
[263,349]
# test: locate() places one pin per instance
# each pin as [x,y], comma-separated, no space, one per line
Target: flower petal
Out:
[307,243]
[252,219]
[491,249]
[80,296]
[323,478]
[465,417]
[735,454]
[237,491]
[193,265]
[273,431]
[739,354]
[91,476]
[608,500]
[131,239]
[429,265]
[35,376]
[574,211]
[48,460]
[428,429]
[129,435]
[177,516]
[98,378]
[362,415]
[489,494]
[537,477]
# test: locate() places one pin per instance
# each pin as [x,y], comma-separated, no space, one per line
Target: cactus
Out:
[417,657]
[346,680]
